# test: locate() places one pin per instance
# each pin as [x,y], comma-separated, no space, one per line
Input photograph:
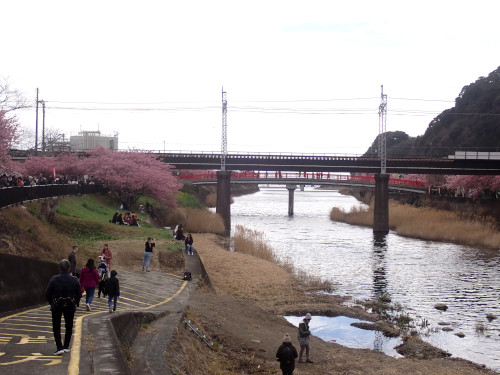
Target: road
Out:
[27,343]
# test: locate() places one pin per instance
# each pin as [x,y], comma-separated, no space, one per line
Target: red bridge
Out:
[299,178]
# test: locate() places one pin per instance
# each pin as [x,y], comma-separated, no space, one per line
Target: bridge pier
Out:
[381,209]
[291,191]
[223,207]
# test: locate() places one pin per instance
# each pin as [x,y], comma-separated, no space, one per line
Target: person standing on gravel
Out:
[304,334]
[63,294]
[148,253]
[286,355]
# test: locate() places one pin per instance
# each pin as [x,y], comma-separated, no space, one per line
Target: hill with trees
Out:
[473,124]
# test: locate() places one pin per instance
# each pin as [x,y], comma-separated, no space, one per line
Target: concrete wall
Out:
[23,281]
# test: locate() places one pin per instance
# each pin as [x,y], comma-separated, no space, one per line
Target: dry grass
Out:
[254,243]
[428,224]
[197,220]
[25,225]
[211,200]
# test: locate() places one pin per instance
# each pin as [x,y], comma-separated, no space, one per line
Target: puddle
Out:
[339,330]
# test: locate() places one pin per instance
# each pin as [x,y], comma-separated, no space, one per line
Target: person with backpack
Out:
[286,355]
[63,293]
[304,334]
[102,270]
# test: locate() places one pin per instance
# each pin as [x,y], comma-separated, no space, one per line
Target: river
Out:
[416,274]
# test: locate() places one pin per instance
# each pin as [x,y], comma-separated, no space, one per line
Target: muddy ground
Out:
[242,313]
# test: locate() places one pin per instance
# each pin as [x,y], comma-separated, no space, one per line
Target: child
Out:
[102,269]
[113,290]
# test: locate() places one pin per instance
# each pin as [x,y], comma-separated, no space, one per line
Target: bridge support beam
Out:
[223,207]
[291,191]
[381,209]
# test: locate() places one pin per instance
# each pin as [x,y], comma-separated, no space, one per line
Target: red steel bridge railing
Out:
[315,176]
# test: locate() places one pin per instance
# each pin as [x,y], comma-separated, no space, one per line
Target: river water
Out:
[416,274]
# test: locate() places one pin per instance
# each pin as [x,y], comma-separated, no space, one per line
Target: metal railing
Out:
[295,175]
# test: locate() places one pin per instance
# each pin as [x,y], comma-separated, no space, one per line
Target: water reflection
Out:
[379,265]
[339,329]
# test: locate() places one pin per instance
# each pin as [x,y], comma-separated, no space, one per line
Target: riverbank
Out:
[242,313]
[461,223]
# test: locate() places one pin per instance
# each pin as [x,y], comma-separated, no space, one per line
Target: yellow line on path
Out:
[74,362]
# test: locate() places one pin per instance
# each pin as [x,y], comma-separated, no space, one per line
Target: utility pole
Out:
[224,131]
[43,126]
[382,124]
[36,123]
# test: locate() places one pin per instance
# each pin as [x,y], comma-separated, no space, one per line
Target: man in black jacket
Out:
[63,294]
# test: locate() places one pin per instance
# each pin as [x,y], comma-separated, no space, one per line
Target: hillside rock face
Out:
[473,124]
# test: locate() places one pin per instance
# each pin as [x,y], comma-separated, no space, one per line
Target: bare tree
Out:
[10,99]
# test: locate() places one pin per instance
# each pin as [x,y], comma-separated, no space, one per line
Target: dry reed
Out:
[197,220]
[428,224]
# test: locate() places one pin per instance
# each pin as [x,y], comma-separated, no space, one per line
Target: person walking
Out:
[63,293]
[189,244]
[108,255]
[148,253]
[89,280]
[113,290]
[286,355]
[72,260]
[304,334]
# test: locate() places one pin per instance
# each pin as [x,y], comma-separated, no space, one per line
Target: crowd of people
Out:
[129,218]
[7,181]
[65,290]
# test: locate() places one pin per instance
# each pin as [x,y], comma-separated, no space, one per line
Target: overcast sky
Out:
[300,76]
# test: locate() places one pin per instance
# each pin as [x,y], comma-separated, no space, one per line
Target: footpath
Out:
[102,341]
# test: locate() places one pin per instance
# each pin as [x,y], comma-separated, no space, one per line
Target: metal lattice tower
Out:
[224,132]
[382,124]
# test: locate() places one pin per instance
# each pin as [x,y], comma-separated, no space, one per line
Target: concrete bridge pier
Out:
[223,207]
[291,191]
[381,209]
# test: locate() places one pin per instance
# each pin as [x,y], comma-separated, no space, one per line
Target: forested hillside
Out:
[473,124]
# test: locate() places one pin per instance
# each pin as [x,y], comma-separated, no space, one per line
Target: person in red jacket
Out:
[89,280]
[106,251]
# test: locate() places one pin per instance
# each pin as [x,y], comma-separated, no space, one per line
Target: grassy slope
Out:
[80,220]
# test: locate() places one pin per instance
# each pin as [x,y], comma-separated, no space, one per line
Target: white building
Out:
[88,140]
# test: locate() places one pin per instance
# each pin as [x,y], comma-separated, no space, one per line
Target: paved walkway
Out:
[27,342]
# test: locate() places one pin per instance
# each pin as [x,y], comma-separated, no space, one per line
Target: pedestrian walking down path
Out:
[27,341]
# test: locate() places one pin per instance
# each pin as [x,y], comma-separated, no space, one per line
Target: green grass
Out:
[86,220]
[189,201]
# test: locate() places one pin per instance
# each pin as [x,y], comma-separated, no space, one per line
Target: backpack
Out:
[187,276]
[64,303]
[286,354]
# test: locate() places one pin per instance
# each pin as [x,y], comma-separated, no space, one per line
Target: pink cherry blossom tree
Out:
[130,174]
[474,186]
[133,174]
[8,127]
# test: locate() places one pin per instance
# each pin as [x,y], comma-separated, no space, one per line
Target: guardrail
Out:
[10,196]
[295,175]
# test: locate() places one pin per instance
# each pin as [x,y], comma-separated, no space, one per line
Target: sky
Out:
[299,76]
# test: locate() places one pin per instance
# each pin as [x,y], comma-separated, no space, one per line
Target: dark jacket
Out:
[113,285]
[304,330]
[72,262]
[284,363]
[63,285]
[149,246]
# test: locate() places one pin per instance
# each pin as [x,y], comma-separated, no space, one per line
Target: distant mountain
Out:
[473,124]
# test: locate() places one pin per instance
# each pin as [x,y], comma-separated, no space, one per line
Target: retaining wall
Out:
[23,281]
